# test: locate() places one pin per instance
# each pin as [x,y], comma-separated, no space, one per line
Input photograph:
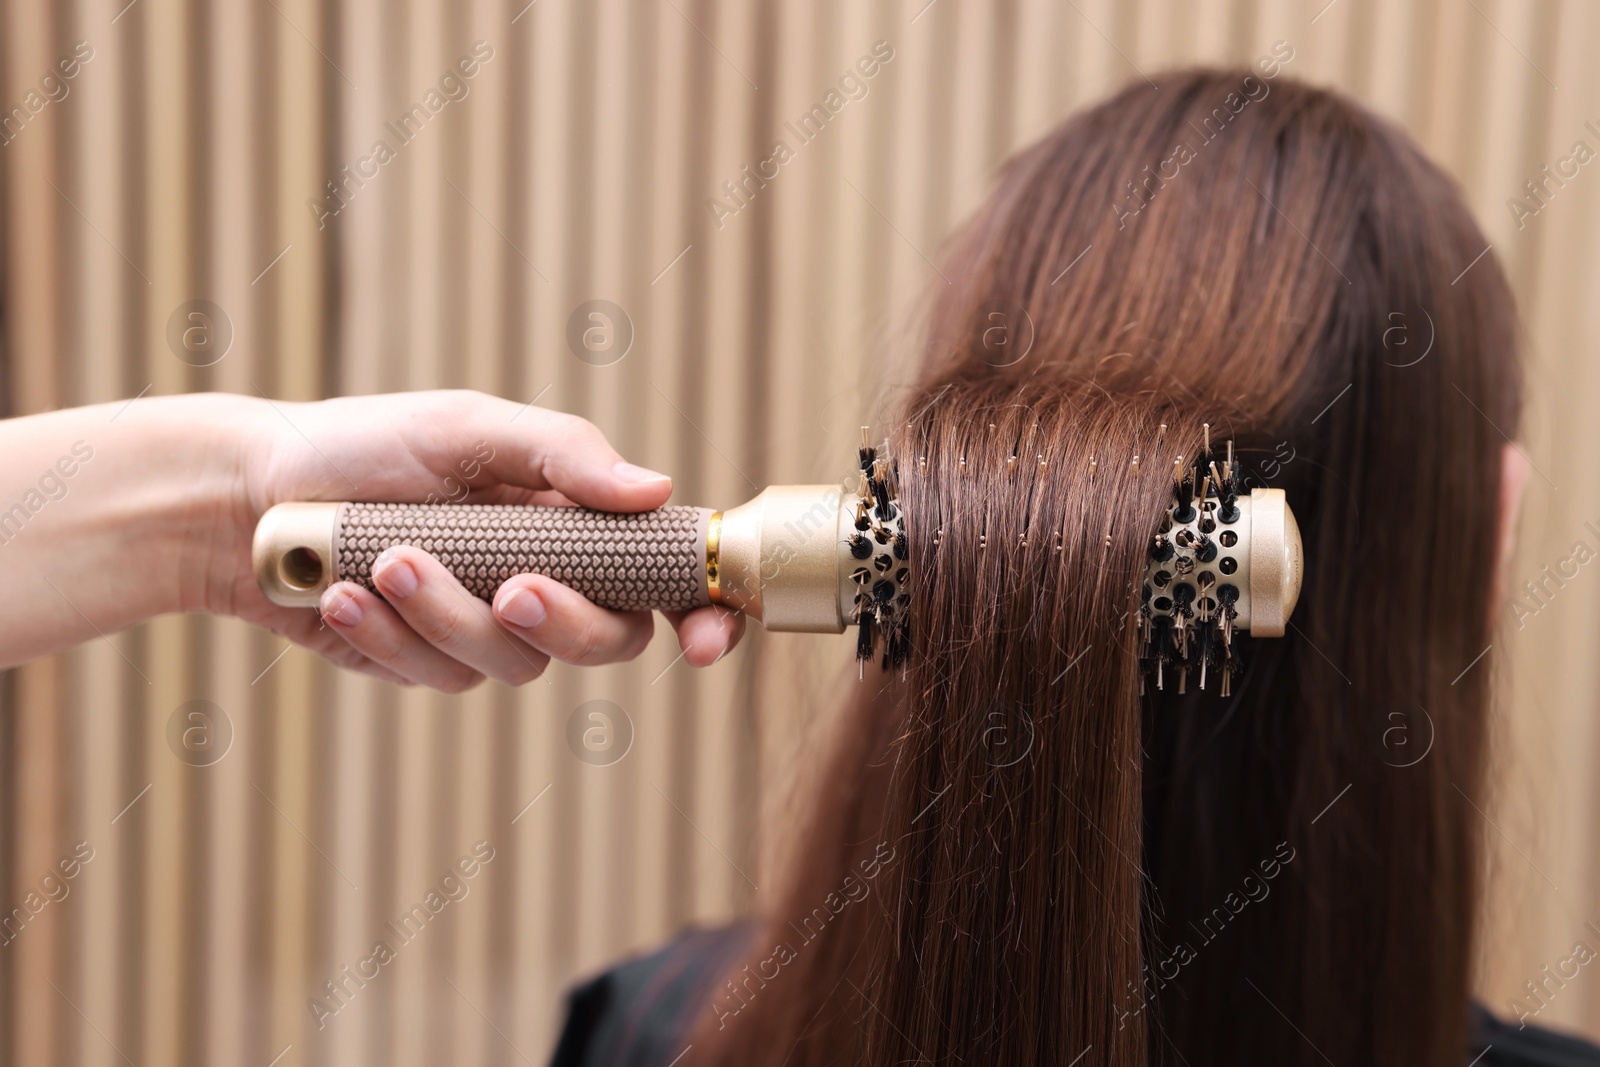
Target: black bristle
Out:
[880,605]
[1228,492]
[879,488]
[1185,496]
[1183,596]
[1187,637]
[865,638]
[897,644]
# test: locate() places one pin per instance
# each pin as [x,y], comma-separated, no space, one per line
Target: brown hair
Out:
[1016,857]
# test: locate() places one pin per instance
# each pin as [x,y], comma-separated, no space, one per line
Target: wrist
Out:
[116,513]
[176,499]
[221,439]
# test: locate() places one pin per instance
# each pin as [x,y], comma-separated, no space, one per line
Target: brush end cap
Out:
[292,553]
[1277,563]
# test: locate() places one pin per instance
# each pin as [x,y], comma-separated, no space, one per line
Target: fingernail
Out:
[394,577]
[633,475]
[341,608]
[522,608]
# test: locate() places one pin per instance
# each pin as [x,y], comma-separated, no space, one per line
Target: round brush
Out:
[805,558]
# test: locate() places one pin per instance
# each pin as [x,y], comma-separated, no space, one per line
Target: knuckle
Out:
[459,681]
[390,651]
[373,669]
[583,436]
[444,626]
[573,425]
[640,640]
[587,644]
[524,671]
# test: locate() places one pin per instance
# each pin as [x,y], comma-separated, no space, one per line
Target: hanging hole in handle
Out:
[300,568]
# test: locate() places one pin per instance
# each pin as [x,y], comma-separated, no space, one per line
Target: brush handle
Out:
[795,558]
[651,560]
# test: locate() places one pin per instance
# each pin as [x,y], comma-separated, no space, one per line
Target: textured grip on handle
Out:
[652,560]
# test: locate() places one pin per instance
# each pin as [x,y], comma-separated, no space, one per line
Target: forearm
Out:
[115,513]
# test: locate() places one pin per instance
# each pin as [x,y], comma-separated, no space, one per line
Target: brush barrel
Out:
[1257,557]
[651,560]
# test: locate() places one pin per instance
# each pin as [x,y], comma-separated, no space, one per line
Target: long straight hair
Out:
[1017,856]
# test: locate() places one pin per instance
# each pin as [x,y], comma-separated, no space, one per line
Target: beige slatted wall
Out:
[579,167]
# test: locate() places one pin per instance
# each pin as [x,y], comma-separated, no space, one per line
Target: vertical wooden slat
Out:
[300,876]
[231,261]
[32,264]
[718,882]
[1395,35]
[164,34]
[598,256]
[1041,77]
[674,225]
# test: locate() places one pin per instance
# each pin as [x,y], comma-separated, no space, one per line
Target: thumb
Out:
[551,450]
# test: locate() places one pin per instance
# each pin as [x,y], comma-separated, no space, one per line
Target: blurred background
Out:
[201,204]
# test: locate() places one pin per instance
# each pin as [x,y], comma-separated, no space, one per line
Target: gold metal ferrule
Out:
[778,557]
[713,557]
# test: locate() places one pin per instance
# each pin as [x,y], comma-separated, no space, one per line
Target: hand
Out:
[458,447]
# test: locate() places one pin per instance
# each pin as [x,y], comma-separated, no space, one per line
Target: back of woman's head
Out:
[1018,857]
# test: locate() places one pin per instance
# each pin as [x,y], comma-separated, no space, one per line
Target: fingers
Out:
[707,634]
[566,625]
[426,629]
[550,450]
[452,621]
[308,630]
[374,629]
